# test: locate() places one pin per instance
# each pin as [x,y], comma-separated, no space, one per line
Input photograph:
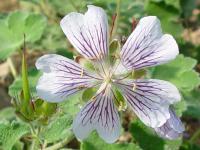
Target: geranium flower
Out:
[150,99]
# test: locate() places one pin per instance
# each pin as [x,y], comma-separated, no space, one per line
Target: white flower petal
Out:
[98,114]
[172,129]
[150,99]
[88,33]
[61,77]
[147,46]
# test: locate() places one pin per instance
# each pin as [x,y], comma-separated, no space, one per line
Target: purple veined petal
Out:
[149,99]
[88,33]
[172,129]
[62,77]
[98,114]
[147,46]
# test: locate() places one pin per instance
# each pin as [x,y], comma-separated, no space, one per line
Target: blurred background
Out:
[40,20]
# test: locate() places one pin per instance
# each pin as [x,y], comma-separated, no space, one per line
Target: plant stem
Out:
[116,19]
[12,67]
[33,144]
[61,143]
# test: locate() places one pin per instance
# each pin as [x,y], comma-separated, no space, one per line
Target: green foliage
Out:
[72,104]
[148,140]
[178,72]
[174,3]
[169,19]
[16,86]
[51,123]
[11,133]
[68,6]
[13,28]
[18,146]
[95,143]
[187,7]
[58,129]
[193,103]
[7,113]
[53,39]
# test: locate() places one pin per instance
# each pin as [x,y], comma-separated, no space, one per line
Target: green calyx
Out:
[119,100]
[28,108]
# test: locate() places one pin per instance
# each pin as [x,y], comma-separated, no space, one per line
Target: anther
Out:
[81,87]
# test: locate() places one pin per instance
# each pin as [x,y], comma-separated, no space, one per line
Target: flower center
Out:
[108,78]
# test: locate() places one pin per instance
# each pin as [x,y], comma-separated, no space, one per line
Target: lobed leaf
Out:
[95,143]
[57,129]
[11,133]
[148,140]
[13,28]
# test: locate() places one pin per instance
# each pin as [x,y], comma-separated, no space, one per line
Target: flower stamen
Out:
[81,87]
[134,87]
[81,73]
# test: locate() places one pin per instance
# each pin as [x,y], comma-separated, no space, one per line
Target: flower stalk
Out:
[117,15]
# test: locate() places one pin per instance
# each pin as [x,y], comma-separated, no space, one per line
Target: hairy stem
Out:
[61,143]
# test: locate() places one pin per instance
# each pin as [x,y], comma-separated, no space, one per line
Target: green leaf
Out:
[16,86]
[180,107]
[169,17]
[6,42]
[179,72]
[149,141]
[193,103]
[174,3]
[7,113]
[13,28]
[34,26]
[72,104]
[18,146]
[53,39]
[187,7]
[172,144]
[145,138]
[58,129]
[11,133]
[95,143]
